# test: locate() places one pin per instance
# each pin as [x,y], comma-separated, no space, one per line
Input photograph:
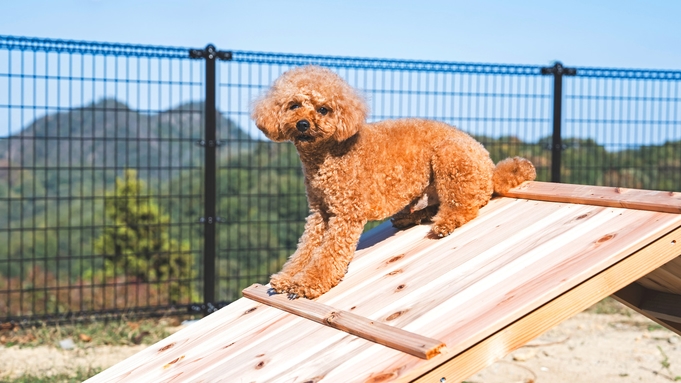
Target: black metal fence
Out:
[132,179]
[100,179]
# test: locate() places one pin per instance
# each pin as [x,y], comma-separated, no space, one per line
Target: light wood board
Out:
[665,279]
[559,309]
[517,256]
[377,332]
[634,297]
[652,200]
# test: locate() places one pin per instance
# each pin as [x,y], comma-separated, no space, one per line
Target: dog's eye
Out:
[323,111]
[294,106]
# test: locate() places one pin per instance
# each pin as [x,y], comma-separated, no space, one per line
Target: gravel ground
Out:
[589,347]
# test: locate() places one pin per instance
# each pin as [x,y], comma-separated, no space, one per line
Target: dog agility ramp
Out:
[523,266]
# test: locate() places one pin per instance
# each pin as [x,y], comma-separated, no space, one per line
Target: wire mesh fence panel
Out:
[623,128]
[260,188]
[106,185]
[100,178]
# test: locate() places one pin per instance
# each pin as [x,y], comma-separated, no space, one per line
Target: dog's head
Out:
[309,105]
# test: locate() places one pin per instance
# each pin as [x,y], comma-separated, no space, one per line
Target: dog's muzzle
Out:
[303,126]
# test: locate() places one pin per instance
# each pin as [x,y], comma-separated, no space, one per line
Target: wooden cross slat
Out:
[375,331]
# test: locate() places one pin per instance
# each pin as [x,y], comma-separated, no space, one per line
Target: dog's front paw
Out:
[294,287]
[301,289]
[280,283]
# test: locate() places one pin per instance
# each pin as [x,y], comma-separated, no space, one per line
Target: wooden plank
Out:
[286,345]
[632,296]
[396,272]
[652,200]
[654,304]
[607,282]
[463,292]
[653,284]
[184,345]
[673,326]
[461,289]
[663,305]
[666,278]
[378,332]
[523,271]
[663,280]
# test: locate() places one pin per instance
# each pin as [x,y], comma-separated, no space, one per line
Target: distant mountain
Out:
[108,134]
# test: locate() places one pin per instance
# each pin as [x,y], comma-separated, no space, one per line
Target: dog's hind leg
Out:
[463,177]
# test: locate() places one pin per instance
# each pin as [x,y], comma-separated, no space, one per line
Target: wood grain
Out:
[653,303]
[563,307]
[652,200]
[516,257]
[365,328]
[536,264]
[666,278]
[390,272]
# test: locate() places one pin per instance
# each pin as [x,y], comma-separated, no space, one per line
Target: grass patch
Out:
[84,336]
[113,333]
[79,376]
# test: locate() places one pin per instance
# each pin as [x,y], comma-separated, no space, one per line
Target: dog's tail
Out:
[511,172]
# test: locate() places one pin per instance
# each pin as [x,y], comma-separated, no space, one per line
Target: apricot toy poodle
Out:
[412,169]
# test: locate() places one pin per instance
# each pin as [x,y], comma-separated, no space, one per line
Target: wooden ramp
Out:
[529,261]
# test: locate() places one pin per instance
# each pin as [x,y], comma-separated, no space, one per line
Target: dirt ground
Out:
[589,347]
[600,348]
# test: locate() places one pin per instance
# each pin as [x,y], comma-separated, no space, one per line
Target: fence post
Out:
[558,71]
[210,143]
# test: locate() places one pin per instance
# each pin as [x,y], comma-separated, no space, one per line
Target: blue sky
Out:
[624,33]
[605,33]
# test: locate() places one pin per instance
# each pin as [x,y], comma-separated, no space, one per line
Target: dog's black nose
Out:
[303,125]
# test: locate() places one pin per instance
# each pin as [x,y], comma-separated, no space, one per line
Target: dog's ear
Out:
[266,113]
[350,112]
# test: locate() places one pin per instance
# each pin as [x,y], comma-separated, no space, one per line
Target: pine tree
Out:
[138,245]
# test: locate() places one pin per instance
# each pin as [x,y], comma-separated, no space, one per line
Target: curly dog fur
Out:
[357,172]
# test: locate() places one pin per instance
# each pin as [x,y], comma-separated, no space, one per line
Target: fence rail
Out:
[132,179]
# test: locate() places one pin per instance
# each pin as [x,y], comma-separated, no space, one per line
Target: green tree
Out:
[138,244]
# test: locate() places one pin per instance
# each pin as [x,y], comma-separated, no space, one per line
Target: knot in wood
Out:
[605,238]
[395,258]
[331,317]
[395,315]
[384,377]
